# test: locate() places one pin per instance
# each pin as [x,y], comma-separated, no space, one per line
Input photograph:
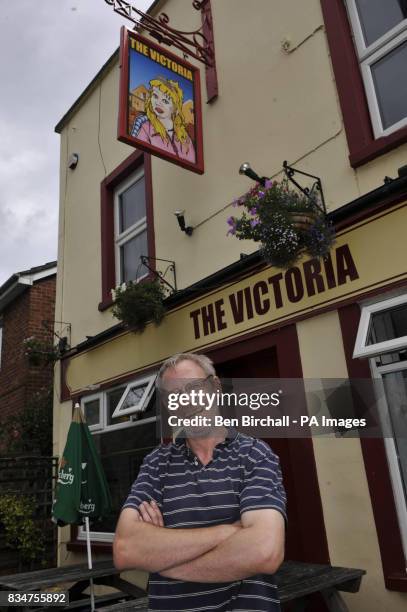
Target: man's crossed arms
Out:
[221,553]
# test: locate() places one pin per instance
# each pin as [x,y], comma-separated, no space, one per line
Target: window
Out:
[382,336]
[135,398]
[122,438]
[383,329]
[130,228]
[127,225]
[380,31]
[368,47]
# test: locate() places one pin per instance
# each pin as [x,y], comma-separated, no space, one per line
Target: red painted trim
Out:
[123,132]
[210,71]
[397,582]
[107,187]
[363,147]
[306,500]
[65,392]
[378,147]
[377,472]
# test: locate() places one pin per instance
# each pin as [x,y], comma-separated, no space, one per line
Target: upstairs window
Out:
[130,223]
[127,223]
[380,36]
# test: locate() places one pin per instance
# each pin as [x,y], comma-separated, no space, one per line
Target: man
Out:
[206,514]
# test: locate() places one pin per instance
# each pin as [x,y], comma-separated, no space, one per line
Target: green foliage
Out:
[138,303]
[22,534]
[39,352]
[284,221]
[30,430]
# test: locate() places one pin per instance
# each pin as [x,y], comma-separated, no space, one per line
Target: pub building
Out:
[311,86]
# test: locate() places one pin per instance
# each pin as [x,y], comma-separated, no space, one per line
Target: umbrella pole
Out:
[92,594]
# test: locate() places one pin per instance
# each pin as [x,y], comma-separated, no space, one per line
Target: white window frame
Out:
[136,229]
[368,55]
[377,371]
[362,349]
[391,450]
[140,407]
[100,536]
[91,398]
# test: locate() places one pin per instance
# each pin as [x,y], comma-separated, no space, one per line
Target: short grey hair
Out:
[202,360]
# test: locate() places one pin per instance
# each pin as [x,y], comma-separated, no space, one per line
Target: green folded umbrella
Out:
[82,490]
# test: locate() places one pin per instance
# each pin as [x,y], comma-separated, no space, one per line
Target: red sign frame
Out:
[138,128]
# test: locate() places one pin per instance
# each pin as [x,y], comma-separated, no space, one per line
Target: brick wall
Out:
[22,319]
[41,308]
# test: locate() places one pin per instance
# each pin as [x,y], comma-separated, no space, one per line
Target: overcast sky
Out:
[50,50]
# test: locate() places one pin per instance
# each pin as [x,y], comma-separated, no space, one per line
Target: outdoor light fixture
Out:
[246,169]
[180,214]
[289,172]
[73,161]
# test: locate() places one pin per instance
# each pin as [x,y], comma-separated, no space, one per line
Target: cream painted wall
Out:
[272,106]
[347,509]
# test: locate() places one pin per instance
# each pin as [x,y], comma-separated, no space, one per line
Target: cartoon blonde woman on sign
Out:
[163,125]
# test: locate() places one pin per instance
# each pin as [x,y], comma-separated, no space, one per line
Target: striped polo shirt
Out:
[244,474]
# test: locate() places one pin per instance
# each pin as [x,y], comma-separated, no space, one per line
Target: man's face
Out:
[184,378]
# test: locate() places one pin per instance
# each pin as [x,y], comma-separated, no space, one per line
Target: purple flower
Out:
[268,184]
[253,211]
[254,222]
[232,222]
[261,194]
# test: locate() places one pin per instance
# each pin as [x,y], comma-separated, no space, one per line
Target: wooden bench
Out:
[103,572]
[141,605]
[296,581]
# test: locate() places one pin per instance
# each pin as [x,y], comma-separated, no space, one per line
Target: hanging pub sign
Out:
[160,102]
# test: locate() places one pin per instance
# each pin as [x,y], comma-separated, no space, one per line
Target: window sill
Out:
[378,147]
[106,303]
[396,582]
[80,546]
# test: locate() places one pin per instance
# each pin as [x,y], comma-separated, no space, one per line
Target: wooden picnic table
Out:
[296,581]
[103,572]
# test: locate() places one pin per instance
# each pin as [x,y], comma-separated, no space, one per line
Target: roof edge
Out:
[86,92]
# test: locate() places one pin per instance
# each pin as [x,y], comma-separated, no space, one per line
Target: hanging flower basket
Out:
[287,223]
[136,304]
[39,352]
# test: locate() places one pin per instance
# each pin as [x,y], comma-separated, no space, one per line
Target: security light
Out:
[180,214]
[246,169]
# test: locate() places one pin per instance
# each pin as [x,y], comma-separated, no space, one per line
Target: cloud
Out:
[50,51]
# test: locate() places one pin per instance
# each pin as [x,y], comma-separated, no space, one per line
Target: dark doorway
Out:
[276,355]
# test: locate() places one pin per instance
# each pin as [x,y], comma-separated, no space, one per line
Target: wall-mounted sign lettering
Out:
[160,102]
[258,298]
